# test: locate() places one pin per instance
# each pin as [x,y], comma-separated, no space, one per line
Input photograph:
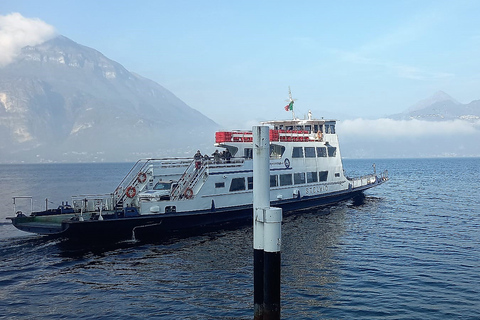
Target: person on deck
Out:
[228,155]
[198,159]
[216,156]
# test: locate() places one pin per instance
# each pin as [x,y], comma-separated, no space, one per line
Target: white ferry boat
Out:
[161,196]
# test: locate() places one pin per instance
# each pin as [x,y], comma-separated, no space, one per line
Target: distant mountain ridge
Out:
[61,101]
[441,107]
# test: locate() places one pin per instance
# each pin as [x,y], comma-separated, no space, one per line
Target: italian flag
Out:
[289,106]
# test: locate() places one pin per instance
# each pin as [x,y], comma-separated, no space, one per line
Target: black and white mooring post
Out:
[267,237]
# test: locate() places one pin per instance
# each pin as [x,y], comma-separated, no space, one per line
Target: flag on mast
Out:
[289,106]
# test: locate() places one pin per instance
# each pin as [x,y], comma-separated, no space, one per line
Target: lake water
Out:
[411,251]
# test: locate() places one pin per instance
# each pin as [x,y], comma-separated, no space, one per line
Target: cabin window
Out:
[312,177]
[323,175]
[276,151]
[321,152]
[337,175]
[219,184]
[297,152]
[250,183]
[237,184]
[309,152]
[298,128]
[285,179]
[273,181]
[332,151]
[248,153]
[308,128]
[299,178]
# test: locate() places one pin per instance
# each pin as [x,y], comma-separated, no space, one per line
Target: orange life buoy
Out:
[142,177]
[188,193]
[319,135]
[131,192]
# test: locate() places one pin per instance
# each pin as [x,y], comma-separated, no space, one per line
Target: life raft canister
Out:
[188,193]
[131,192]
[142,177]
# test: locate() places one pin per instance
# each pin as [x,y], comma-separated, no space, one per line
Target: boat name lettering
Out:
[316,189]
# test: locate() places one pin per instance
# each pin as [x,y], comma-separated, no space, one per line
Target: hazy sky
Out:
[234,60]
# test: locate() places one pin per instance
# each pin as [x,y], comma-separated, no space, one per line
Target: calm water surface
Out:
[411,251]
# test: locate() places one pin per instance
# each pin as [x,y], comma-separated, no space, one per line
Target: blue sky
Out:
[234,60]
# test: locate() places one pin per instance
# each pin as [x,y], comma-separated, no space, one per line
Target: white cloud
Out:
[406,128]
[16,32]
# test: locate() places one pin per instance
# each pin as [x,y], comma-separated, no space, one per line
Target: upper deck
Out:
[284,131]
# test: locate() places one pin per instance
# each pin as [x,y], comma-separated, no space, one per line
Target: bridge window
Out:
[276,151]
[219,184]
[332,151]
[309,152]
[285,179]
[299,178]
[321,152]
[312,177]
[330,128]
[297,152]
[323,175]
[237,184]
[273,181]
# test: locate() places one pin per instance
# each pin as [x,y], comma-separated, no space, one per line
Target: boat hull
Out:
[164,226]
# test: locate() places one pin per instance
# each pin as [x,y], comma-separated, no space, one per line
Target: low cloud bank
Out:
[407,128]
[387,138]
[16,32]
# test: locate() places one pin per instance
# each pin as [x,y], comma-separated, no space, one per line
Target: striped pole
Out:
[272,263]
[266,232]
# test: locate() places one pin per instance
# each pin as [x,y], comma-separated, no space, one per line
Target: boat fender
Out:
[131,192]
[142,177]
[188,193]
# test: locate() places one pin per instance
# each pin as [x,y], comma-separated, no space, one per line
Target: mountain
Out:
[61,101]
[440,107]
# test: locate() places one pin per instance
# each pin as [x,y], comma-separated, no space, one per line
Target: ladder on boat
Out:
[132,183]
[188,181]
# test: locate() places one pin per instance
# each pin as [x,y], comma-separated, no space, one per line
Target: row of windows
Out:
[276,151]
[287,179]
[329,128]
[312,152]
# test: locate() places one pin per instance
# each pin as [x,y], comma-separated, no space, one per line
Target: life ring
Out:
[287,163]
[142,177]
[319,135]
[131,192]
[188,193]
